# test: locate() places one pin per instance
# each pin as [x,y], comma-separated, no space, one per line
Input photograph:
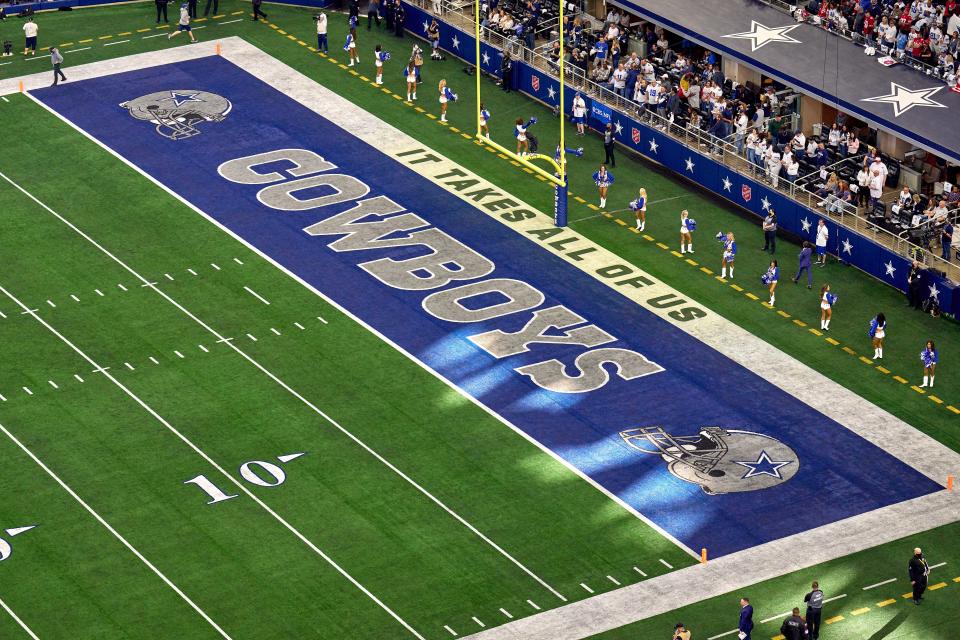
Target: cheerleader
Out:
[685,232]
[729,255]
[446,95]
[579,113]
[520,133]
[639,207]
[604,179]
[411,74]
[827,300]
[350,46]
[380,57]
[770,279]
[484,118]
[929,358]
[878,331]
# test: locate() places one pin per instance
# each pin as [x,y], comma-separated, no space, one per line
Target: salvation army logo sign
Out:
[635,135]
[535,81]
[746,192]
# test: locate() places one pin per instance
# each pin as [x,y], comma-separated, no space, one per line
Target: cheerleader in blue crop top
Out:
[729,255]
[446,96]
[878,331]
[827,300]
[929,358]
[686,232]
[603,179]
[379,57]
[771,278]
[639,207]
[484,118]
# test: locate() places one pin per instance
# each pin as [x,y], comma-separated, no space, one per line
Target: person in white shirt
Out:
[30,30]
[752,146]
[619,79]
[792,167]
[579,113]
[322,32]
[184,24]
[880,166]
[799,140]
[875,185]
[741,129]
[772,159]
[640,92]
[863,184]
[647,70]
[823,234]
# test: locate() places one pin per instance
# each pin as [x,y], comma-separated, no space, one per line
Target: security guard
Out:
[919,570]
[814,601]
[794,628]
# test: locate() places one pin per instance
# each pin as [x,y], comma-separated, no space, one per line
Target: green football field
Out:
[145,377]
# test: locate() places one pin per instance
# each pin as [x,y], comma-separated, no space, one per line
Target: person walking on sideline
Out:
[608,143]
[804,265]
[823,234]
[770,231]
[814,601]
[183,24]
[918,570]
[878,331]
[746,619]
[794,628]
[30,30]
[929,358]
[256,10]
[216,7]
[56,58]
[162,10]
[322,44]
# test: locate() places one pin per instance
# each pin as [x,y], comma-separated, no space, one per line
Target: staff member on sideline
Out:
[608,142]
[918,570]
[914,296]
[823,234]
[770,231]
[56,58]
[321,20]
[804,256]
[814,601]
[929,358]
[162,10]
[30,30]
[216,7]
[746,619]
[878,330]
[256,10]
[794,628]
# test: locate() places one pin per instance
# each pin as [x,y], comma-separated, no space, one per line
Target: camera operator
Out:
[321,20]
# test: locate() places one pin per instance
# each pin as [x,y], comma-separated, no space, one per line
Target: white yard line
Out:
[16,618]
[110,44]
[227,475]
[257,364]
[230,21]
[879,584]
[76,50]
[115,534]
[256,295]
[156,35]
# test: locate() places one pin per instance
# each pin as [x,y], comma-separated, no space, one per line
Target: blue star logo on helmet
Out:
[177,113]
[719,460]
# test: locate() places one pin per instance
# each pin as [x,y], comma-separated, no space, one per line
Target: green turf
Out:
[241,565]
[936,619]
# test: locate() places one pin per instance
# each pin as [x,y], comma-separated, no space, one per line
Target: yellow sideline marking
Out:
[866,360]
[850,351]
[917,389]
[692,263]
[883,370]
[936,399]
[751,296]
[815,332]
[860,612]
[593,206]
[621,222]
[91,40]
[649,238]
[799,323]
[887,602]
[783,313]
[736,288]
[939,585]
[955,410]
[900,380]
[834,619]
[832,341]
[722,279]
[104,37]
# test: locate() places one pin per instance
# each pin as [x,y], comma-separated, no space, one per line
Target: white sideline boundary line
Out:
[206,458]
[115,534]
[263,369]
[23,625]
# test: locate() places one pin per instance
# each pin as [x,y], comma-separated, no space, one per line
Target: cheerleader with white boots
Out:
[729,255]
[878,331]
[827,300]
[929,358]
[484,118]
[639,207]
[686,230]
[771,277]
[446,96]
[380,56]
[603,180]
[411,74]
[520,133]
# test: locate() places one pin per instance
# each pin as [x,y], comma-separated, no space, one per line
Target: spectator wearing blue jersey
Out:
[770,278]
[878,331]
[929,358]
[729,255]
[805,254]
[603,180]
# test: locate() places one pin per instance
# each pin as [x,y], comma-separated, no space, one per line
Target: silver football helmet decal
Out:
[176,113]
[719,460]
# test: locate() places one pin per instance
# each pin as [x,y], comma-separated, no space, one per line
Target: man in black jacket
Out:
[162,10]
[814,599]
[506,72]
[919,570]
[399,15]
[794,628]
[608,144]
[914,296]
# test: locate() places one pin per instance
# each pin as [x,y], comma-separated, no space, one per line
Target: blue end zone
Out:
[837,473]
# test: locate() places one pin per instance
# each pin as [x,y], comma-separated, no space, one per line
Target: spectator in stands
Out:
[829,188]
[751,145]
[792,168]
[833,138]
[904,199]
[875,185]
[601,72]
[954,196]
[618,81]
[853,144]
[772,163]
[740,129]
[821,157]
[863,186]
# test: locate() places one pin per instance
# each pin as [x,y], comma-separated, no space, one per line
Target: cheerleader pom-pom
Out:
[533,120]
[719,236]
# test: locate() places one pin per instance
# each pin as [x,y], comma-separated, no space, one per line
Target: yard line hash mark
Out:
[586,588]
[75,298]
[879,584]
[20,622]
[215,266]
[666,564]
[120,285]
[240,352]
[477,620]
[533,604]
[256,295]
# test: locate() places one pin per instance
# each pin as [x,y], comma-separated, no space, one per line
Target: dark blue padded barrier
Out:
[853,248]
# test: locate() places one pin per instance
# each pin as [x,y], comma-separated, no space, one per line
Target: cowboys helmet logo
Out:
[177,113]
[719,460]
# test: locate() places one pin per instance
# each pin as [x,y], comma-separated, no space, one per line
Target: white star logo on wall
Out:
[653,145]
[551,92]
[760,35]
[890,268]
[690,165]
[806,224]
[765,204]
[426,26]
[618,126]
[726,183]
[847,247]
[935,293]
[904,99]
[456,43]
[485,57]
